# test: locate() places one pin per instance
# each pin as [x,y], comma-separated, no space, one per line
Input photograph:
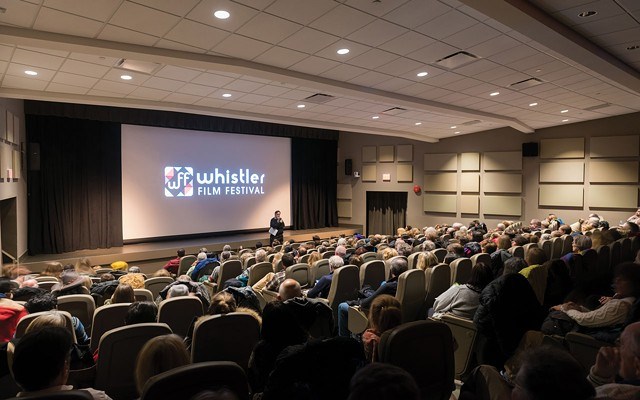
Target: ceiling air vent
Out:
[456,60]
[473,122]
[138,66]
[527,83]
[319,98]
[394,111]
[597,107]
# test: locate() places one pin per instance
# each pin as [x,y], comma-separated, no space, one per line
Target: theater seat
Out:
[179,312]
[81,306]
[258,271]
[106,318]
[372,273]
[185,264]
[24,322]
[155,285]
[460,270]
[64,395]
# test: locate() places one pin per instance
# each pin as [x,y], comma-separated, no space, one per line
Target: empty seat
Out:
[179,312]
[547,247]
[258,271]
[300,273]
[228,270]
[320,269]
[155,285]
[185,264]
[81,306]
[143,295]
[106,318]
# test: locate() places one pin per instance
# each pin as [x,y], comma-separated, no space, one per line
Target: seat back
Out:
[225,337]
[179,312]
[81,306]
[413,259]
[567,244]
[249,262]
[437,281]
[300,273]
[119,348]
[45,278]
[101,271]
[24,322]
[320,269]
[480,257]
[557,244]
[465,335]
[410,294]
[187,381]
[258,271]
[625,250]
[635,246]
[547,247]
[440,254]
[431,366]
[528,246]
[46,285]
[517,251]
[106,318]
[538,280]
[328,254]
[155,285]
[372,273]
[460,270]
[615,254]
[228,270]
[76,394]
[185,264]
[304,259]
[344,286]
[143,294]
[604,263]
[369,256]
[584,348]
[206,270]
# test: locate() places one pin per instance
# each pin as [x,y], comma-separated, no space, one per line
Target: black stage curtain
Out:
[386,212]
[75,198]
[314,183]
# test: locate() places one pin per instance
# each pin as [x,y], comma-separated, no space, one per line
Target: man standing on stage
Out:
[276,228]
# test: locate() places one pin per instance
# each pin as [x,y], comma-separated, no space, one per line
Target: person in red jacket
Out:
[173,264]
[10,312]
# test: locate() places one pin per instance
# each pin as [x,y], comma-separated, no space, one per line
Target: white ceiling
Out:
[272,54]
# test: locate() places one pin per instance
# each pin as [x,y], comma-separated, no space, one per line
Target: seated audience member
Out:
[177,291]
[274,283]
[174,264]
[83,267]
[390,286]
[107,277]
[463,300]
[379,381]
[197,289]
[581,243]
[426,260]
[158,355]
[10,311]
[123,294]
[355,260]
[46,302]
[514,265]
[41,362]
[321,289]
[546,373]
[535,258]
[612,310]
[454,251]
[500,255]
[384,314]
[141,312]
[52,269]
[200,257]
[289,289]
[635,218]
[133,279]
[71,283]
[224,303]
[224,257]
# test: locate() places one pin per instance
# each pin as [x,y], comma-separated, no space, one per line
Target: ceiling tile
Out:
[406,43]
[446,24]
[118,34]
[115,74]
[308,40]
[163,84]
[143,19]
[342,20]
[344,72]
[355,49]
[472,36]
[18,70]
[114,87]
[148,94]
[416,12]
[240,14]
[401,66]
[280,57]
[393,84]
[302,12]
[84,68]
[372,59]
[74,80]
[376,33]
[196,90]
[58,53]
[35,59]
[493,46]
[279,28]
[182,98]
[297,94]
[623,36]
[211,102]
[274,102]
[369,78]
[604,9]
[6,52]
[57,21]
[94,59]
[97,10]
[196,34]
[19,13]
[62,88]
[180,8]
[252,98]
[314,65]
[241,47]
[170,44]
[433,52]
[243,86]
[103,93]
[376,8]
[19,82]
[513,54]
[270,90]
[177,73]
[607,25]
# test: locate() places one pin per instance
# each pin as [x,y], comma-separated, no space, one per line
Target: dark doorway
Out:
[386,212]
[9,230]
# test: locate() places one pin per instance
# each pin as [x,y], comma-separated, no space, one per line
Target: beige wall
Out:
[504,139]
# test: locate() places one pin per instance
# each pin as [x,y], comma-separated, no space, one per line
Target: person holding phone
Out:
[276,228]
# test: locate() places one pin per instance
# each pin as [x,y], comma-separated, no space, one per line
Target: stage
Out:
[153,255]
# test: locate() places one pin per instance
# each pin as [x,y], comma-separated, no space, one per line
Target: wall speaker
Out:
[530,149]
[34,156]
[348,166]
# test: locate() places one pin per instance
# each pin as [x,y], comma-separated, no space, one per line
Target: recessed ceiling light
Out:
[564,111]
[494,94]
[375,117]
[453,127]
[423,73]
[301,106]
[587,14]
[342,51]
[126,77]
[226,95]
[222,14]
[418,123]
[32,73]
[565,120]
[456,132]
[533,104]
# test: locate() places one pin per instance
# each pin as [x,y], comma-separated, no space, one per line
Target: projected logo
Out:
[178,181]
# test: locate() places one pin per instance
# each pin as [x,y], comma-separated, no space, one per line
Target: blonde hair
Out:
[83,266]
[52,269]
[52,318]
[158,355]
[313,258]
[426,260]
[388,253]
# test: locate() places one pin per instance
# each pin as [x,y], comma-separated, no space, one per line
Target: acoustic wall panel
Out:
[561,195]
[614,146]
[613,196]
[442,182]
[499,182]
[562,172]
[502,161]
[386,154]
[404,152]
[404,172]
[344,208]
[444,203]
[369,154]
[562,148]
[469,204]
[369,173]
[470,161]
[613,171]
[345,191]
[17,164]
[441,162]
[470,182]
[502,205]
[6,161]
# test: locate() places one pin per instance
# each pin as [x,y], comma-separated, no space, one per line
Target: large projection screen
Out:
[181,182]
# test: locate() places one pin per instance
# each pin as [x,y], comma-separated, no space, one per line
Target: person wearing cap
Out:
[10,311]
[71,283]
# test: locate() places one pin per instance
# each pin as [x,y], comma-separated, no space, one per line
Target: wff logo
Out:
[178,181]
